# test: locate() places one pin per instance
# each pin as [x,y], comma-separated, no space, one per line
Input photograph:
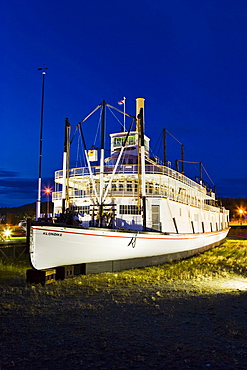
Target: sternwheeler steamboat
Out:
[127,210]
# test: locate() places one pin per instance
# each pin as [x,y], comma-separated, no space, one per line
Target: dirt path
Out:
[134,329]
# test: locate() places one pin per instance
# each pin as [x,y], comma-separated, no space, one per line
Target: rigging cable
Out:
[78,157]
[71,141]
[115,116]
[208,175]
[189,161]
[158,143]
[98,127]
[174,137]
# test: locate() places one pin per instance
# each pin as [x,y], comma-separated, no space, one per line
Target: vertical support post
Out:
[28,231]
[201,173]
[102,153]
[124,99]
[138,129]
[182,158]
[164,143]
[65,163]
[143,171]
[139,106]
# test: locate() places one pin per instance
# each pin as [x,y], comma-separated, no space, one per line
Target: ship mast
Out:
[102,154]
[66,160]
[164,145]
[141,159]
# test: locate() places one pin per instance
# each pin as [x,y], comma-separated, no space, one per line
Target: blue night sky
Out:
[187,58]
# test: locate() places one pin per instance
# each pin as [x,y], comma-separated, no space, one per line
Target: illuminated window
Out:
[131,140]
[119,141]
[129,210]
[129,185]
[121,186]
[84,209]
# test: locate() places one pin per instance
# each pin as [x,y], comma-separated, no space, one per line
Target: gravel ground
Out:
[128,329]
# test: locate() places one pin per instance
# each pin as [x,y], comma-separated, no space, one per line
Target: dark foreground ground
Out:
[132,329]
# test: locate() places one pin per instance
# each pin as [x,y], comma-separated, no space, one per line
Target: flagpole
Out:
[124,98]
[123,102]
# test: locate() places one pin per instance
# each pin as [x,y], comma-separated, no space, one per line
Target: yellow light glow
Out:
[226,284]
[237,283]
[48,190]
[7,233]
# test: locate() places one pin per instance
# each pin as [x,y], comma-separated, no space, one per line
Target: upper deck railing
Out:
[131,169]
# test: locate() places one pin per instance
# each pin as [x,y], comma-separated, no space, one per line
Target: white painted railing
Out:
[132,169]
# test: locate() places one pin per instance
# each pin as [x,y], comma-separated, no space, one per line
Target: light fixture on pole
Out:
[38,203]
[48,192]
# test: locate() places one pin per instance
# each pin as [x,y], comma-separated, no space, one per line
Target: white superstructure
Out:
[128,198]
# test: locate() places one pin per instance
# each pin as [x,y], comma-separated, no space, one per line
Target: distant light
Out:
[48,190]
[7,233]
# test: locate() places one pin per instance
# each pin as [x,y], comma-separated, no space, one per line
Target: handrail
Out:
[76,193]
[154,169]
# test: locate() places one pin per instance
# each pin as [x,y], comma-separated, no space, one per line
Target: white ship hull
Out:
[130,206]
[58,246]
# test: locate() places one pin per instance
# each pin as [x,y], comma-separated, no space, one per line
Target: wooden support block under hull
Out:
[64,272]
[42,277]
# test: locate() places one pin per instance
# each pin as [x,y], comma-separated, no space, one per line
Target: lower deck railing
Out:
[75,195]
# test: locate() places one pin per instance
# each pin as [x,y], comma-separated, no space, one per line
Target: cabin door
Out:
[156,217]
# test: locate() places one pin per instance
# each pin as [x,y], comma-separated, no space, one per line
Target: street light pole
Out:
[38,203]
[48,192]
